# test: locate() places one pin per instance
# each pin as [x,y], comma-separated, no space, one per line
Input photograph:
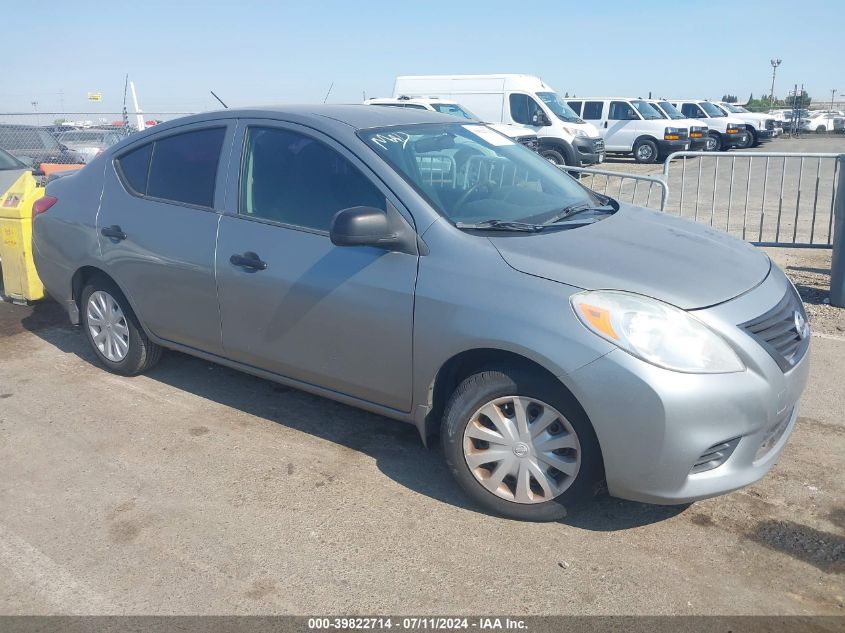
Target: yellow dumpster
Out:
[20,280]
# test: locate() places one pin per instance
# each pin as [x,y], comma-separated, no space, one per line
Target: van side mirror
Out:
[368,226]
[540,119]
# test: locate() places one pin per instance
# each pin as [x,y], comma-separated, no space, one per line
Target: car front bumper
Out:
[665,147]
[654,425]
[588,151]
[764,135]
[734,139]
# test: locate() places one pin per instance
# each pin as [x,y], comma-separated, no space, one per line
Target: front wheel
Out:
[748,140]
[712,143]
[821,129]
[113,331]
[554,157]
[645,151]
[520,445]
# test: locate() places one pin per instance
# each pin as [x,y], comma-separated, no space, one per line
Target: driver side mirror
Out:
[368,226]
[540,119]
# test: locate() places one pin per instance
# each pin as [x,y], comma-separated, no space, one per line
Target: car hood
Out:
[682,263]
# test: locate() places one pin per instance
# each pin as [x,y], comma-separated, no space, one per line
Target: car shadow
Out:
[395,447]
[812,294]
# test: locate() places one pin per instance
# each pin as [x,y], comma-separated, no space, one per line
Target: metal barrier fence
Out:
[768,198]
[631,188]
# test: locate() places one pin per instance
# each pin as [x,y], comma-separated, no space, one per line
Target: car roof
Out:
[357,116]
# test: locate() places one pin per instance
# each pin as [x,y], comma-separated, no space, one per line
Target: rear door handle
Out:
[114,232]
[248,260]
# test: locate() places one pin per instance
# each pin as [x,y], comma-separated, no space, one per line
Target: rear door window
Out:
[184,167]
[576,106]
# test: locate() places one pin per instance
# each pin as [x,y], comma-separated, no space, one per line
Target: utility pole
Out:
[775,63]
[832,97]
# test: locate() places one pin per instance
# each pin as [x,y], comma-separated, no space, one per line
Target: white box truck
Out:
[565,138]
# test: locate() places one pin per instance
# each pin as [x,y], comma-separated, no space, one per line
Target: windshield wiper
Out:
[575,209]
[501,225]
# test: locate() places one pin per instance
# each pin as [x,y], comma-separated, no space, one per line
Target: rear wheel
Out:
[821,129]
[519,445]
[113,330]
[645,151]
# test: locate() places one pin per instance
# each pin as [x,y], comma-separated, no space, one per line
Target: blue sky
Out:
[277,52]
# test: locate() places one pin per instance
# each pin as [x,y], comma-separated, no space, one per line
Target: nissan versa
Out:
[438,273]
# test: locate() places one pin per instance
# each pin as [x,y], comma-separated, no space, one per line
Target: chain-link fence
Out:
[69,138]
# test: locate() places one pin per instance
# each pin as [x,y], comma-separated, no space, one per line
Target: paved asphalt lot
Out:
[200,490]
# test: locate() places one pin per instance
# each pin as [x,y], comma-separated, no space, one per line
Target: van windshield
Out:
[470,173]
[559,107]
[455,110]
[671,111]
[648,111]
[712,110]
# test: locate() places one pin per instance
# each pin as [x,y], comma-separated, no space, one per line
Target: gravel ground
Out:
[199,490]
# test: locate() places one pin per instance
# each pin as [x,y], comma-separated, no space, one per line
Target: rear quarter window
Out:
[134,167]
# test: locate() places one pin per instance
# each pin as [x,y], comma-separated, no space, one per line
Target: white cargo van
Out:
[520,133]
[699,139]
[729,132]
[565,139]
[632,126]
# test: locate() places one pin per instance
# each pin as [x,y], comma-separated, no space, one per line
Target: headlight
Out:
[655,332]
[574,131]
[671,134]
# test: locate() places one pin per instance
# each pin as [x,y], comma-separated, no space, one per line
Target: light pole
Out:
[775,63]
[832,97]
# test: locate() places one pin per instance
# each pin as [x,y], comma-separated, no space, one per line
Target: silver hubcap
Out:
[522,450]
[644,152]
[107,326]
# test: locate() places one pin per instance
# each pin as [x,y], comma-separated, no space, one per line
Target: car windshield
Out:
[647,110]
[470,173]
[712,110]
[7,161]
[455,110]
[671,111]
[730,108]
[560,108]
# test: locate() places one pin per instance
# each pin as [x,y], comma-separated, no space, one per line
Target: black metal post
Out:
[837,267]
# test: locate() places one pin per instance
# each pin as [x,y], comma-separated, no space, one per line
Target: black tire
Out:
[142,353]
[645,151]
[821,130]
[750,140]
[495,382]
[554,157]
[716,144]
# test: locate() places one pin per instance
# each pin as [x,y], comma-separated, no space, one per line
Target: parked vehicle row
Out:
[432,270]
[523,100]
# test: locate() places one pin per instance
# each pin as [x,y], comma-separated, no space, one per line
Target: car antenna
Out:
[219,99]
[328,93]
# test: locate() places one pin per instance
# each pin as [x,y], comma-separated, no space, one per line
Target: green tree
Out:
[729,98]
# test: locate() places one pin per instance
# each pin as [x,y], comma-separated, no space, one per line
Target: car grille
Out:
[770,124]
[598,145]
[782,331]
[531,142]
[714,456]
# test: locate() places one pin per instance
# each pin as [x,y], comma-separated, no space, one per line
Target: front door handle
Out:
[248,260]
[114,232]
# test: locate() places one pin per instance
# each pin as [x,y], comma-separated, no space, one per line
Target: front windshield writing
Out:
[471,173]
